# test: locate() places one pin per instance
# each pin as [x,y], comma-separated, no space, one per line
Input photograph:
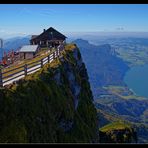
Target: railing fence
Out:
[26,69]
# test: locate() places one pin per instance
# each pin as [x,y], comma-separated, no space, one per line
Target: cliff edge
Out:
[53,105]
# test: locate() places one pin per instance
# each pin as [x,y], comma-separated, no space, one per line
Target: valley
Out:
[74,73]
[107,65]
[114,100]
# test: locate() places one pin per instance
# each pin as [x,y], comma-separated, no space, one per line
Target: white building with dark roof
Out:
[28,51]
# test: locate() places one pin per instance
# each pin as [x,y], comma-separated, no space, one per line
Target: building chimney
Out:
[44,30]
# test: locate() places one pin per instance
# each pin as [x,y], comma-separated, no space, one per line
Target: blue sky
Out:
[24,19]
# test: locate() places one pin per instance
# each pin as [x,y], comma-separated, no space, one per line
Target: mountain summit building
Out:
[48,38]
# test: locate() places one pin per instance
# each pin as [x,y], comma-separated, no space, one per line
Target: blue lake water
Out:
[137,79]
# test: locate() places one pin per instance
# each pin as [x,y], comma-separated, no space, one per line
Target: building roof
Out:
[49,34]
[33,36]
[29,48]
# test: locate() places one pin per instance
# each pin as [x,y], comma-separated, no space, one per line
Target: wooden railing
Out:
[15,74]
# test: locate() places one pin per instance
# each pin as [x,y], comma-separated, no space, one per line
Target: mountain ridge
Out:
[112,97]
[53,105]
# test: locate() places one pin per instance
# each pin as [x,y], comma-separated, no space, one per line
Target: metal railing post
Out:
[1,78]
[57,52]
[48,58]
[25,69]
[53,55]
[41,63]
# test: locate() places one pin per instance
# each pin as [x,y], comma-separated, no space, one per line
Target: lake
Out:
[137,79]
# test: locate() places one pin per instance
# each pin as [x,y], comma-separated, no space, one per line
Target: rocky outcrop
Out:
[119,136]
[53,105]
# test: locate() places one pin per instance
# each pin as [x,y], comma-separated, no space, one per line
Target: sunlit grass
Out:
[70,46]
[119,125]
[42,54]
[118,90]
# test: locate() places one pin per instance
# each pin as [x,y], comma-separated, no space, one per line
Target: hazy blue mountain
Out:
[16,42]
[133,50]
[103,66]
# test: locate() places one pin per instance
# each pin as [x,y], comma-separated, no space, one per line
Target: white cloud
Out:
[7,33]
[2,31]
[120,29]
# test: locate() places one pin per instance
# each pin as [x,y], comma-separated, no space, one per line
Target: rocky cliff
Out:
[51,106]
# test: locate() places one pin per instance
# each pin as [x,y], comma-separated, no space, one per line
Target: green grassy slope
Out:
[41,108]
[118,132]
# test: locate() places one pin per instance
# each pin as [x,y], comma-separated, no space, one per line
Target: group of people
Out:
[8,58]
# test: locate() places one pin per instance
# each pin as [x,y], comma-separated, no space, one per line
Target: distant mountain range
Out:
[15,43]
[103,66]
[106,68]
[113,99]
